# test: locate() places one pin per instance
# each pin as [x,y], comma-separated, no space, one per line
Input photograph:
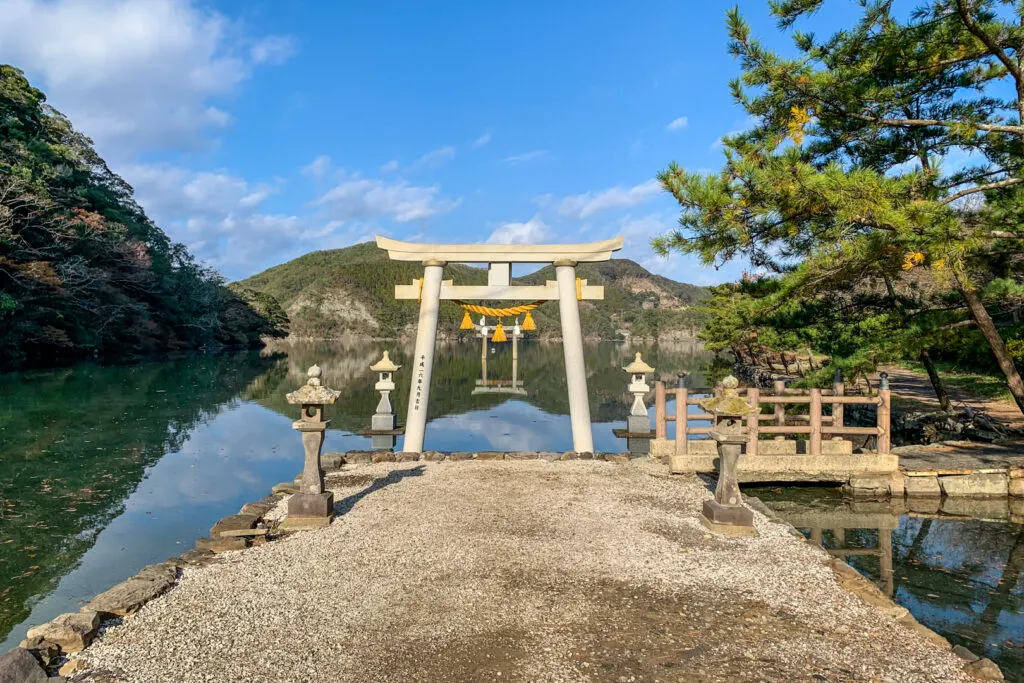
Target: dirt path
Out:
[517,571]
[914,387]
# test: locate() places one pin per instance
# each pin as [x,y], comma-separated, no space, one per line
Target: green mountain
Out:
[350,292]
[84,272]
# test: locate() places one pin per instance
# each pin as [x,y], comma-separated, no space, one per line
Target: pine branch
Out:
[981,188]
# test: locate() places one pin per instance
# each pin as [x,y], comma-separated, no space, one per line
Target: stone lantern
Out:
[638,422]
[726,512]
[384,418]
[311,506]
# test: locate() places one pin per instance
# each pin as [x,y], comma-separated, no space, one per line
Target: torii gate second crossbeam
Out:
[567,289]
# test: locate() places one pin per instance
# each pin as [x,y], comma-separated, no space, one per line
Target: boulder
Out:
[285,487]
[234,523]
[922,487]
[460,455]
[19,666]
[1016,487]
[869,487]
[128,596]
[44,652]
[71,632]
[221,545]
[71,667]
[984,670]
[522,455]
[975,485]
[382,456]
[359,457]
[490,455]
[406,456]
[332,461]
[433,456]
[260,507]
[197,557]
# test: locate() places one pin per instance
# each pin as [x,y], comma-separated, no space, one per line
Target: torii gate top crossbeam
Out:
[500,253]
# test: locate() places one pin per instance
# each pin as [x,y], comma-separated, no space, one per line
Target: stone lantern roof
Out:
[729,404]
[312,392]
[385,364]
[638,366]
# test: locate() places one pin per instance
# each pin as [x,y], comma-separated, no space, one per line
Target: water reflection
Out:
[956,565]
[104,470]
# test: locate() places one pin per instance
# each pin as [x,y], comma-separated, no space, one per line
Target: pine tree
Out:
[851,166]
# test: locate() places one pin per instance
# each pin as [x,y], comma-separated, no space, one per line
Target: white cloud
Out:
[531,232]
[134,75]
[318,167]
[526,156]
[370,198]
[390,167]
[272,50]
[434,158]
[218,216]
[581,206]
[482,140]
[678,124]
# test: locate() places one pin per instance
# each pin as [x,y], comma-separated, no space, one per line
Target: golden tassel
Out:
[528,324]
[499,334]
[467,322]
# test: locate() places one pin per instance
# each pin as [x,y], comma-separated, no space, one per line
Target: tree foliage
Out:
[889,149]
[83,270]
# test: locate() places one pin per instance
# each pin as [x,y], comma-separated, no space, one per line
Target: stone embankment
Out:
[529,569]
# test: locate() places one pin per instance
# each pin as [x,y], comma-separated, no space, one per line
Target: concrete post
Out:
[572,345]
[423,358]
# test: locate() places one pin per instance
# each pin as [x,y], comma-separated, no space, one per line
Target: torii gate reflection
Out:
[567,289]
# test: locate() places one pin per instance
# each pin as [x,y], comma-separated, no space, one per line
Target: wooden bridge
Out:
[778,458]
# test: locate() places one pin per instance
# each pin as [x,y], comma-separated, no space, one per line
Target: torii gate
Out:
[567,289]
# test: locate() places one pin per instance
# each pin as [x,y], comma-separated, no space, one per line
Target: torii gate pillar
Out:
[567,288]
[572,346]
[426,336]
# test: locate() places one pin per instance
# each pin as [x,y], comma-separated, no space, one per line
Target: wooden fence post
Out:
[884,415]
[660,422]
[682,426]
[753,420]
[815,439]
[780,408]
[840,390]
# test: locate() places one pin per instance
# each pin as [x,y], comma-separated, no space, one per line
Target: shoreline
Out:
[360,488]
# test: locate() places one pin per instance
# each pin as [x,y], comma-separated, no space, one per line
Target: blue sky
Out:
[255,132]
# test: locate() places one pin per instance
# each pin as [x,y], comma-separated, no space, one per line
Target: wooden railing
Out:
[814,424]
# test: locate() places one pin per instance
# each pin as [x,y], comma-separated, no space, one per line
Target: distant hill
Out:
[343,292]
[84,272]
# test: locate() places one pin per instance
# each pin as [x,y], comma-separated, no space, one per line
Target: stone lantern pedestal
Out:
[638,422]
[725,513]
[312,506]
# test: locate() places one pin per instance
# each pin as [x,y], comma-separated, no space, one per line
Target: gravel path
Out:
[516,571]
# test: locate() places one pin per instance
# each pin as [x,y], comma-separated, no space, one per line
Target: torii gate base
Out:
[499,257]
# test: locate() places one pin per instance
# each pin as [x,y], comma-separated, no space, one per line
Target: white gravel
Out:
[566,571]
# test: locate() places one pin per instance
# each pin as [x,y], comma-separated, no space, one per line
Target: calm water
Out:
[959,572]
[104,470]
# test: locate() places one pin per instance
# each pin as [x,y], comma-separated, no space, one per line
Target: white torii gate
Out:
[567,289]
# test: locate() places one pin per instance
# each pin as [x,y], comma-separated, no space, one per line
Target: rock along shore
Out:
[518,570]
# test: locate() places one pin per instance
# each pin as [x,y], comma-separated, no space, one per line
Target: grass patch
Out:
[983,385]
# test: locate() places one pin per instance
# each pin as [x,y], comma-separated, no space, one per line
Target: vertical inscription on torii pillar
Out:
[421,373]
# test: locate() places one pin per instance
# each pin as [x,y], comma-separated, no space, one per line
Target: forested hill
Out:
[351,292]
[83,270]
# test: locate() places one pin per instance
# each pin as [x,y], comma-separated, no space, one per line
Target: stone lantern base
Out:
[309,510]
[731,520]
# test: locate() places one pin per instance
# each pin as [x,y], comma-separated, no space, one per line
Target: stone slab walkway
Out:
[517,571]
[962,456]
